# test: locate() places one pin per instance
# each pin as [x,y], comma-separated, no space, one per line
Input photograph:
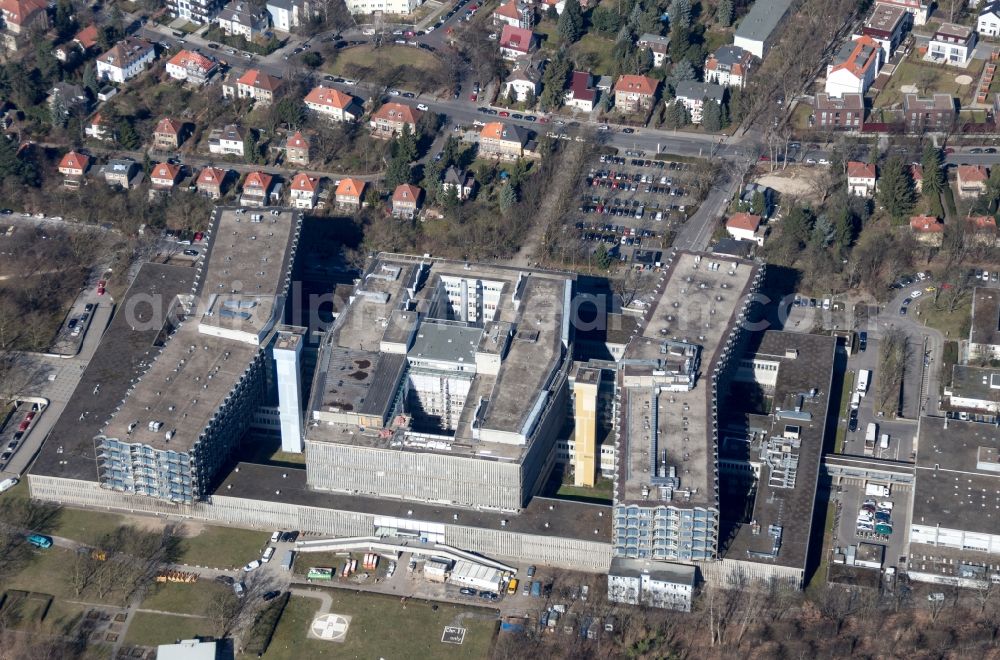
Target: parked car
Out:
[252,566]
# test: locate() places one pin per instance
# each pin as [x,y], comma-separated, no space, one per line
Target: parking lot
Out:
[634,204]
[851,498]
[16,426]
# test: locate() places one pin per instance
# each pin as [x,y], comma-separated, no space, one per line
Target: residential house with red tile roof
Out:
[983,229]
[581,93]
[745,227]
[971,180]
[125,60]
[389,120]
[167,136]
[927,229]
[728,66]
[165,176]
[297,149]
[73,166]
[861,178]
[303,191]
[253,84]
[515,42]
[256,189]
[854,67]
[99,128]
[406,200]
[190,66]
[210,182]
[350,193]
[514,13]
[333,104]
[635,93]
[86,38]
[501,140]
[21,17]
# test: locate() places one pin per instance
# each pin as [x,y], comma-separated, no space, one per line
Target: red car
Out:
[101,287]
[473,96]
[199,236]
[543,120]
[504,113]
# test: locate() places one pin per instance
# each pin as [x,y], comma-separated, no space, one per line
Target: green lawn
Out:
[182,598]
[928,78]
[601,491]
[148,629]
[953,325]
[46,573]
[594,52]
[222,547]
[86,526]
[382,627]
[414,68]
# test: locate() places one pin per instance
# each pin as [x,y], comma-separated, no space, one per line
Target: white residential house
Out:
[652,583]
[333,104]
[196,11]
[517,14]
[126,59]
[988,23]
[728,66]
[853,68]
[228,140]
[287,14]
[581,93]
[694,94]
[190,66]
[303,191]
[746,227]
[952,44]
[525,80]
[659,45]
[861,178]
[241,19]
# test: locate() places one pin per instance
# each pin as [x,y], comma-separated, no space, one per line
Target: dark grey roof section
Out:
[690,89]
[985,316]
[122,355]
[657,570]
[975,383]
[762,19]
[730,55]
[805,363]
[385,382]
[958,475]
[542,516]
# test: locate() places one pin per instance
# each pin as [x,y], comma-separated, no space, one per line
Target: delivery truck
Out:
[864,380]
[871,433]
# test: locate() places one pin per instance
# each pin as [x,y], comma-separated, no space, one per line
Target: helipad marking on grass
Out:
[453,635]
[330,627]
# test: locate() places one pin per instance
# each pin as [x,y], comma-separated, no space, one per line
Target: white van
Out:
[884,441]
[826,303]
[266,557]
